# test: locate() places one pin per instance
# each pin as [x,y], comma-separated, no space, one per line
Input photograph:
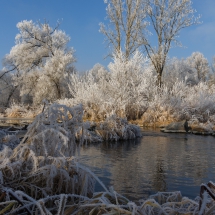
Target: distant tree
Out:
[98,72]
[212,74]
[198,62]
[178,69]
[40,60]
[167,18]
[127,25]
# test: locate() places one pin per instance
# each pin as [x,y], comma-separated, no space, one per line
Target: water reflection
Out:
[156,162]
[159,178]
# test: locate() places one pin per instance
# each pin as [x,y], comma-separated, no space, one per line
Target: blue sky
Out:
[80,20]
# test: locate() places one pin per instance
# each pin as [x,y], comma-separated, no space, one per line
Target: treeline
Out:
[150,87]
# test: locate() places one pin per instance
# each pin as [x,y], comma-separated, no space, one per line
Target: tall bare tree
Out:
[127,26]
[167,18]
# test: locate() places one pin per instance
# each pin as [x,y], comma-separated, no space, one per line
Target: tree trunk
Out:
[58,90]
[10,95]
[159,78]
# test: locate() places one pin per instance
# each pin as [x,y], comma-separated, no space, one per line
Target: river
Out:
[156,162]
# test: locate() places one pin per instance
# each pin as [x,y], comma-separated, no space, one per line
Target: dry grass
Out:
[157,118]
[22,111]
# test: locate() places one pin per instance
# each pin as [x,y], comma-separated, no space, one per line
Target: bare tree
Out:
[127,26]
[167,18]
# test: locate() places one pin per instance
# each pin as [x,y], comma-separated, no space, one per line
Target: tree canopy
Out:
[40,60]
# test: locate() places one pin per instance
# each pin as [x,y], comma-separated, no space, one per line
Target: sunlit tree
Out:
[40,60]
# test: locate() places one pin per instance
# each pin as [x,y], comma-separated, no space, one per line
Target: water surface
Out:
[155,162]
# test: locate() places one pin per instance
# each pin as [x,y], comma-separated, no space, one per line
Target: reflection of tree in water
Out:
[120,147]
[159,178]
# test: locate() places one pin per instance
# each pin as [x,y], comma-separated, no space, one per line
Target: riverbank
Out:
[166,127]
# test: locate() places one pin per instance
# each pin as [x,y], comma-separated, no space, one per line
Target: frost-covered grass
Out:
[22,111]
[106,202]
[42,175]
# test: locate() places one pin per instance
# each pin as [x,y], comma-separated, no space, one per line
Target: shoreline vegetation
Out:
[21,113]
[128,89]
[41,174]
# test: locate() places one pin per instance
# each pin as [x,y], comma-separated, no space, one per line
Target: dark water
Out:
[155,162]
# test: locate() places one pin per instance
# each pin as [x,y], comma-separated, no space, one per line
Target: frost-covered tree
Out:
[167,18]
[40,60]
[198,62]
[122,90]
[127,25]
[178,70]
[98,72]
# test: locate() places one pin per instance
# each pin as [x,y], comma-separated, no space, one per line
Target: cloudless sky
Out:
[80,20]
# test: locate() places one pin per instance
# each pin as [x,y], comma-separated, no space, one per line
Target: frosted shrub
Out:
[200,101]
[115,128]
[126,86]
[43,163]
[180,102]
[112,128]
[129,90]
[120,91]
[163,102]
[89,90]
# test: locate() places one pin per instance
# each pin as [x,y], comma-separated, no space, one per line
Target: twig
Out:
[14,196]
